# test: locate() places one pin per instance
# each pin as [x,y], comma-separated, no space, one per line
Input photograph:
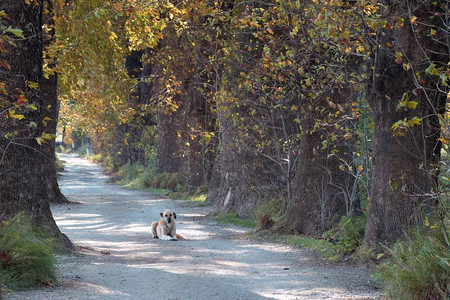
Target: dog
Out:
[165,228]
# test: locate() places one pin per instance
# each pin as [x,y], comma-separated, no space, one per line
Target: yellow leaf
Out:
[414,121]
[12,114]
[33,85]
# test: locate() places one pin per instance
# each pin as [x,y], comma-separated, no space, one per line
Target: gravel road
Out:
[118,258]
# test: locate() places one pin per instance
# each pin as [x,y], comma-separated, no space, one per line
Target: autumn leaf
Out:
[32,85]
[398,57]
[3,89]
[12,114]
[393,184]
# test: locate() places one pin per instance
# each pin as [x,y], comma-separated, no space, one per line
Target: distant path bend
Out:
[120,260]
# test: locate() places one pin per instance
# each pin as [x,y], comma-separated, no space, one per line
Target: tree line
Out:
[316,107]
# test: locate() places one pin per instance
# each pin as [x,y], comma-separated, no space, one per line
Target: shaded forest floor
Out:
[118,259]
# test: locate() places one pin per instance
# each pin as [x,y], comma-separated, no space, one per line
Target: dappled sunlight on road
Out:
[119,259]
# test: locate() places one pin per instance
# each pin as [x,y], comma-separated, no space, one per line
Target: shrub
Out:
[147,177]
[419,268]
[173,180]
[348,234]
[26,257]
[268,212]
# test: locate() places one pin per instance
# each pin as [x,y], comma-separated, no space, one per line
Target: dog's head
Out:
[168,216]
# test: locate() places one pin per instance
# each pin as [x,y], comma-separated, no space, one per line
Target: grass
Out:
[170,185]
[26,256]
[59,164]
[232,218]
[324,248]
[269,212]
[418,268]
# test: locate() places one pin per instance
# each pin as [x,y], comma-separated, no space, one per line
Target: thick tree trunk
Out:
[404,161]
[22,183]
[50,109]
[168,155]
[239,176]
[49,91]
[323,191]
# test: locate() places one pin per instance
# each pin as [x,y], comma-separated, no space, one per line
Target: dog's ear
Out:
[161,214]
[174,215]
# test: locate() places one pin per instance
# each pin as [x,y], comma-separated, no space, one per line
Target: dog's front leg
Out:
[166,237]
[173,234]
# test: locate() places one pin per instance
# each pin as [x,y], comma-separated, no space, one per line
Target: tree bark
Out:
[323,191]
[22,184]
[240,176]
[49,91]
[404,161]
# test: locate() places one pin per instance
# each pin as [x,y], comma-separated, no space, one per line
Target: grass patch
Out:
[170,185]
[418,268]
[324,248]
[232,218]
[26,256]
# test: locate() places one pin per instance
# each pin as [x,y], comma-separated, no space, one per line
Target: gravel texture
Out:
[118,258]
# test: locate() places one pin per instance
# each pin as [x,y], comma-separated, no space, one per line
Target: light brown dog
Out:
[165,228]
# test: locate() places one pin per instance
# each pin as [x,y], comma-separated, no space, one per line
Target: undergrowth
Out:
[347,236]
[324,248]
[26,256]
[172,185]
[232,218]
[418,268]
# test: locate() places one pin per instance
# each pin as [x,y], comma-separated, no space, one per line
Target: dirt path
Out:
[119,259]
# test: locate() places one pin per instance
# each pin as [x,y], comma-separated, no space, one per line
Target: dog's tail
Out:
[181,237]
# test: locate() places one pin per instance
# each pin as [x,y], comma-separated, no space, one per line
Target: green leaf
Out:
[397,124]
[432,70]
[17,32]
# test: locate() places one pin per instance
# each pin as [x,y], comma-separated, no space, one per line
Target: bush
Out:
[348,234]
[26,257]
[268,212]
[419,268]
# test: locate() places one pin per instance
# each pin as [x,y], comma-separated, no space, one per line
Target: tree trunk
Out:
[240,176]
[323,187]
[168,155]
[404,160]
[50,109]
[22,183]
